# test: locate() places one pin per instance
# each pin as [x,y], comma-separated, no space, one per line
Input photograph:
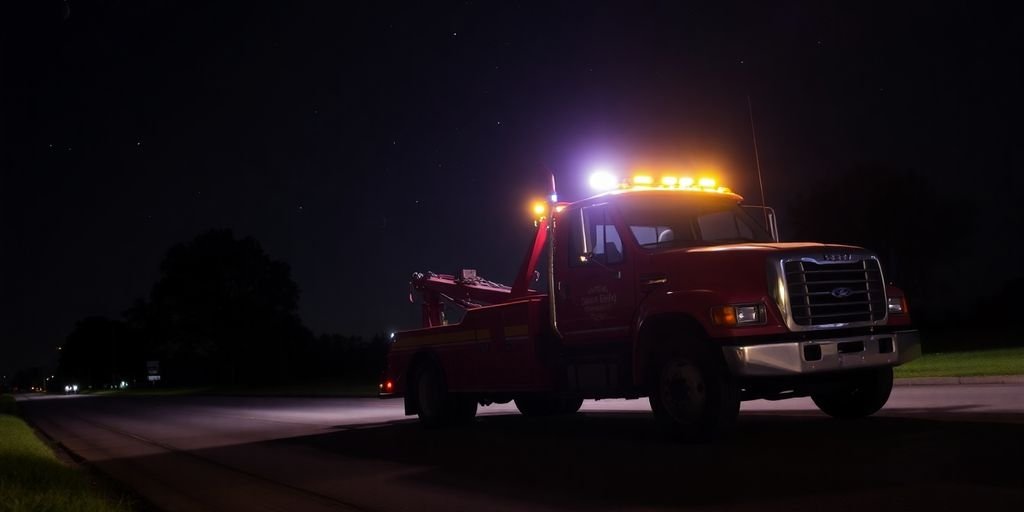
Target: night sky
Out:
[360,143]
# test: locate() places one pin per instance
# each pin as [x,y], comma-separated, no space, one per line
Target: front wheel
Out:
[857,395]
[693,397]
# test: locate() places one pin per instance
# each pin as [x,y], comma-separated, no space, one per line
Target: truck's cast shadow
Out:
[619,459]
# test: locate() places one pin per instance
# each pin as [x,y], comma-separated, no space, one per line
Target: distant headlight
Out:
[897,305]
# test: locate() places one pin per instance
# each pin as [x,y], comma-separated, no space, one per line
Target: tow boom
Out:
[469,290]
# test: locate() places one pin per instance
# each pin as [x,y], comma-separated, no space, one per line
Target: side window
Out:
[591,231]
[653,235]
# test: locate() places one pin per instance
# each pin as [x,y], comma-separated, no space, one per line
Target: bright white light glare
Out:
[603,180]
[554,198]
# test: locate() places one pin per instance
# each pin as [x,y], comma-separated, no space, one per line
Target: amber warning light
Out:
[604,181]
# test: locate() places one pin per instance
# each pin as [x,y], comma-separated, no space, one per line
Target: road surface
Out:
[955,447]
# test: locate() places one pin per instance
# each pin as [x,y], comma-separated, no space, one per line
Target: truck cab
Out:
[675,292]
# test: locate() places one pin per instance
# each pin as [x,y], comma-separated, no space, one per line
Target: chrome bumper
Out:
[827,355]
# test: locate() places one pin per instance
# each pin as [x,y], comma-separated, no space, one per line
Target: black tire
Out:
[436,406]
[858,395]
[694,397]
[544,404]
[572,405]
[463,409]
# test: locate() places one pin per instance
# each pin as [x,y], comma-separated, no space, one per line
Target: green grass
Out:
[1005,361]
[33,479]
[8,405]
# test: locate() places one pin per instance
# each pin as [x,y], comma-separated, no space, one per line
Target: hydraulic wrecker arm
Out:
[469,291]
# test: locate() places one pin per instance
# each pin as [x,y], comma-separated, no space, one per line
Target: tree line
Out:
[221,313]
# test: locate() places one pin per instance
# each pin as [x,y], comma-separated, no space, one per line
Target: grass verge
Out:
[32,478]
[1004,361]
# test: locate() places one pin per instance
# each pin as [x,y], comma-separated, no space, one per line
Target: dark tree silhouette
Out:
[222,312]
[28,378]
[99,353]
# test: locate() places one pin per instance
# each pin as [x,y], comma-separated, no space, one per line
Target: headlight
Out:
[897,305]
[740,315]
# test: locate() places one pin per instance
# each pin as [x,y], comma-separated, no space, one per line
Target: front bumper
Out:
[823,355]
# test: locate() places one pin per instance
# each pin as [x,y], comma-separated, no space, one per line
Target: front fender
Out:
[691,309]
[694,303]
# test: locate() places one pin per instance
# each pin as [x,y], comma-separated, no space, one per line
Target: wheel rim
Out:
[683,391]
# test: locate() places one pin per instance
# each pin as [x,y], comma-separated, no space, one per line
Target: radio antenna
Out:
[757,160]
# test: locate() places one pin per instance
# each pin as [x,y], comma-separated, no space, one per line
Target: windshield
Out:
[678,221]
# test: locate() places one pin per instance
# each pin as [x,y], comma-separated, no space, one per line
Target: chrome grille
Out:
[835,293]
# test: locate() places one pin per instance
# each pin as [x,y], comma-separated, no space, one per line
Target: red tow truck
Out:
[664,287]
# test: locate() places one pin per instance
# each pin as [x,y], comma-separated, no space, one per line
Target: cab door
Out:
[594,278]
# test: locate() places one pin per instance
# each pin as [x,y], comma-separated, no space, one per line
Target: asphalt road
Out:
[932,448]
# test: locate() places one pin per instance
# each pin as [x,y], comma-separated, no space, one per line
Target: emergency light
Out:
[604,181]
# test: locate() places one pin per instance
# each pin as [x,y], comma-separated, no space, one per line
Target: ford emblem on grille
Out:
[842,292]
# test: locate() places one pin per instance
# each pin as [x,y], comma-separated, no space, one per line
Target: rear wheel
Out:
[858,395]
[545,404]
[572,405]
[693,396]
[437,407]
[463,409]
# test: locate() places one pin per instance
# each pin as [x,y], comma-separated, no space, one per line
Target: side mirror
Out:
[766,213]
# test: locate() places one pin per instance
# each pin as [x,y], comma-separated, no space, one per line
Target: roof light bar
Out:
[704,184]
